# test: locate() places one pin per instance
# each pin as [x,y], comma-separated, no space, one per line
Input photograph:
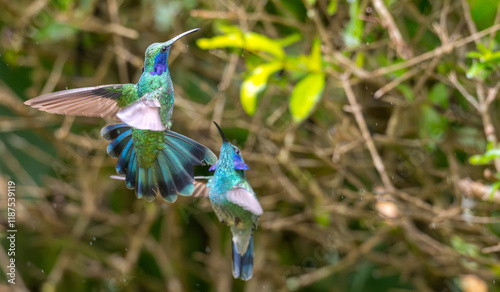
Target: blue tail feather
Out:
[141,182]
[172,171]
[193,151]
[116,147]
[111,132]
[131,171]
[150,192]
[184,179]
[165,187]
[243,265]
[124,160]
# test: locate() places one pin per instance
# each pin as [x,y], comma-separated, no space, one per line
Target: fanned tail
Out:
[172,170]
[243,265]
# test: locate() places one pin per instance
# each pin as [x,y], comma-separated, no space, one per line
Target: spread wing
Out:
[99,101]
[245,199]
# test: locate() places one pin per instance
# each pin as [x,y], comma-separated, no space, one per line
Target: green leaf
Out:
[439,95]
[432,124]
[477,70]
[486,158]
[464,247]
[483,49]
[54,32]
[494,188]
[478,160]
[289,39]
[306,95]
[474,54]
[406,91]
[354,29]
[255,83]
[483,12]
[332,7]
[251,41]
[314,62]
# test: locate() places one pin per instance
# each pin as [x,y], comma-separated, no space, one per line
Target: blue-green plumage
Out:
[153,159]
[236,205]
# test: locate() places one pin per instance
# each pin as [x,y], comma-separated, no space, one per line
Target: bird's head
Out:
[230,155]
[157,55]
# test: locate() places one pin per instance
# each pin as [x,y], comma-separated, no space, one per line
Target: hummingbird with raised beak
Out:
[235,204]
[152,158]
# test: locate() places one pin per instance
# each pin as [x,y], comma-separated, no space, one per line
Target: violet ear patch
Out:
[239,164]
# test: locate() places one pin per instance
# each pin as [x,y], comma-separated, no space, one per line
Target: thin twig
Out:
[360,120]
[387,21]
[395,82]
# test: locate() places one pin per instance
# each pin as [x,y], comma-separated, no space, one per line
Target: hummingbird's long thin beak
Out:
[173,40]
[221,133]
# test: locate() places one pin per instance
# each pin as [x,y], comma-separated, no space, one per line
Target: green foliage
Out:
[354,29]
[433,125]
[55,32]
[485,62]
[439,95]
[255,83]
[306,93]
[486,158]
[483,12]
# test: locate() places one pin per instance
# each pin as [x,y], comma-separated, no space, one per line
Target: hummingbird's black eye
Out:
[163,49]
[142,69]
[237,151]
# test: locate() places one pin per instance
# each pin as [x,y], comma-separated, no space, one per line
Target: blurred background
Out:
[370,129]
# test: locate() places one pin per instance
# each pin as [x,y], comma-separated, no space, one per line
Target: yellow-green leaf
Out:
[251,41]
[256,83]
[315,56]
[221,41]
[306,95]
[332,7]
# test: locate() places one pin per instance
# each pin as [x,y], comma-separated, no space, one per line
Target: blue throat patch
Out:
[160,64]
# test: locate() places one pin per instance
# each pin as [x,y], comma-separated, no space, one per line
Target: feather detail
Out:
[245,199]
[243,262]
[172,170]
[200,189]
[98,101]
[143,114]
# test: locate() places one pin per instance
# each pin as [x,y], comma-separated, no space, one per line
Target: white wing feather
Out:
[245,200]
[143,114]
